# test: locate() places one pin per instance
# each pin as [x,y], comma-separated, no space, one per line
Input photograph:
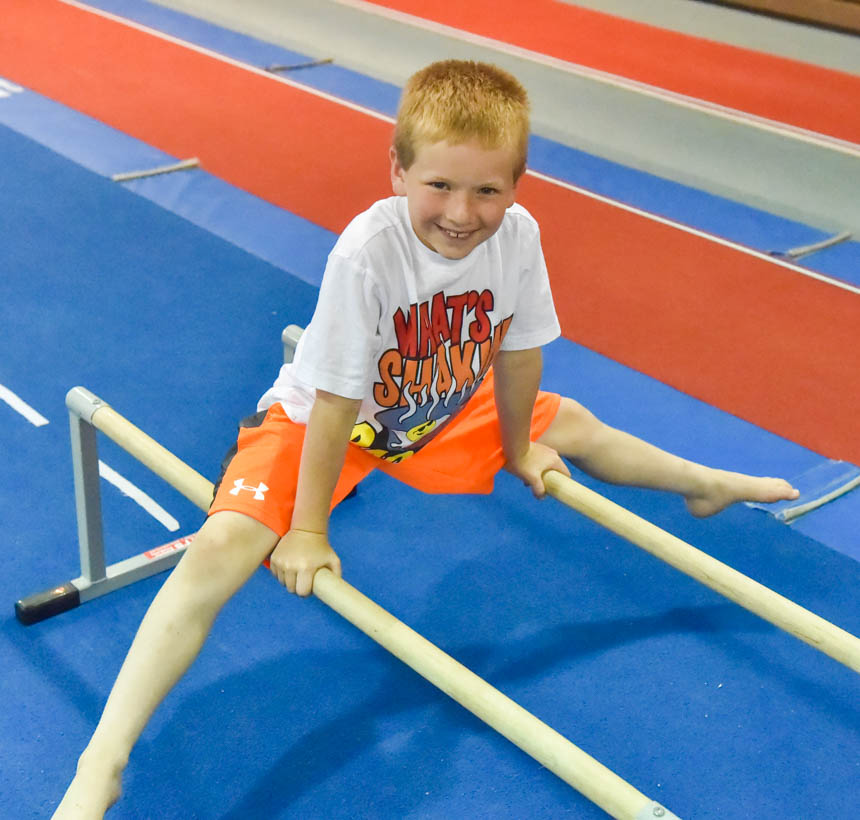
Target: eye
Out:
[488,190]
[438,185]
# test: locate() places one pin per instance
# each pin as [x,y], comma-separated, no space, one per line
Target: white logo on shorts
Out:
[259,491]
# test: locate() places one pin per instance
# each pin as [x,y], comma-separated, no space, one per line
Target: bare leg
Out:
[226,551]
[619,458]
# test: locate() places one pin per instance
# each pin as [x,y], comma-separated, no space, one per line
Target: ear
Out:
[398,173]
[512,195]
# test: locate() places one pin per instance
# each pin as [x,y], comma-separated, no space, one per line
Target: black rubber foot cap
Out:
[46,604]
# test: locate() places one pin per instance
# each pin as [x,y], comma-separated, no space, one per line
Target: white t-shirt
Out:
[411,333]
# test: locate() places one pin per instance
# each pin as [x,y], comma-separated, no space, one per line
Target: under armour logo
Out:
[259,491]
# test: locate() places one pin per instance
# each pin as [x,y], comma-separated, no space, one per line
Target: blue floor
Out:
[696,702]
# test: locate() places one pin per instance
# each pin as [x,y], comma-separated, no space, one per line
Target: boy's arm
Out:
[305,548]
[517,380]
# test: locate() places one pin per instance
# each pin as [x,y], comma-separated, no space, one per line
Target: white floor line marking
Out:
[9,87]
[719,240]
[19,405]
[136,494]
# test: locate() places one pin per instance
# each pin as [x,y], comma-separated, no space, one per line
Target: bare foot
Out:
[721,489]
[90,794]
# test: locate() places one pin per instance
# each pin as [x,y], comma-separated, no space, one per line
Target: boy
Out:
[422,294]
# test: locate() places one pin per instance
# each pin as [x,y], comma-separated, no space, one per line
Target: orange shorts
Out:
[261,479]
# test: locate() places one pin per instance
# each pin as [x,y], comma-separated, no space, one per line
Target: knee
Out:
[572,429]
[209,548]
[575,415]
[226,550]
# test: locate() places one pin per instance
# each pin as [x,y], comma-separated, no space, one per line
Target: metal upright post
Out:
[85,464]
[96,578]
[290,337]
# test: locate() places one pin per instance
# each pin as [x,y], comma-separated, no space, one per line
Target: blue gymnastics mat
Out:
[291,712]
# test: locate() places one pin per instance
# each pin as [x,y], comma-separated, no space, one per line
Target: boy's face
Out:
[457,194]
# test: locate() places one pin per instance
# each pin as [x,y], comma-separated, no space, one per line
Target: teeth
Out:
[455,235]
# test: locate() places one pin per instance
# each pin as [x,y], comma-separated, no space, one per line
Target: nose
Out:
[458,211]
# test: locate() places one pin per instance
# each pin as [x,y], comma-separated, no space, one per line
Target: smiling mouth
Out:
[455,234]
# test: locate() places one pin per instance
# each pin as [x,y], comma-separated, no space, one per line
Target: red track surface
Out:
[741,333]
[780,89]
[278,142]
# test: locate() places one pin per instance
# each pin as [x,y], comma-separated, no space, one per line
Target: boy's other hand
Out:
[531,466]
[297,557]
